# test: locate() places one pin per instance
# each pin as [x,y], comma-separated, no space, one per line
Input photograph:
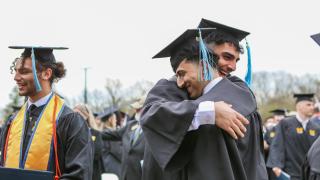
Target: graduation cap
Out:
[278,112]
[107,113]
[304,97]
[41,54]
[189,45]
[236,34]
[316,38]
[95,114]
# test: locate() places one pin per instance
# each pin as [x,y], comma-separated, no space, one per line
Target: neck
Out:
[39,95]
[216,74]
[303,117]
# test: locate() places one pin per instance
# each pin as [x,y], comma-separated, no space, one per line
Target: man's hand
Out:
[230,120]
[277,171]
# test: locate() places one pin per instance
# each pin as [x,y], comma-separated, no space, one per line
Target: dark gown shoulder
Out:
[241,99]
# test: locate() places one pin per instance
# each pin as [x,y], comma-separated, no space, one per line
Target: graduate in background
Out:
[311,168]
[293,137]
[45,134]
[111,150]
[88,116]
[133,144]
[277,116]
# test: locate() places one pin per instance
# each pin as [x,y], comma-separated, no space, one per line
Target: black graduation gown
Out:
[269,136]
[311,167]
[290,145]
[97,161]
[111,157]
[316,119]
[132,154]
[75,149]
[208,152]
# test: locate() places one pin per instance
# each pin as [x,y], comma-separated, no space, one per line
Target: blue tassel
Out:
[248,77]
[206,73]
[34,69]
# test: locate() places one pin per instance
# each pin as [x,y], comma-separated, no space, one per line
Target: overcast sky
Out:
[117,39]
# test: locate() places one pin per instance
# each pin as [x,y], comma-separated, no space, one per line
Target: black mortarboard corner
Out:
[95,114]
[185,43]
[304,97]
[42,54]
[316,38]
[18,174]
[279,112]
[104,115]
[236,34]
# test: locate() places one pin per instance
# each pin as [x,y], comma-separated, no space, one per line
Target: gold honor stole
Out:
[38,152]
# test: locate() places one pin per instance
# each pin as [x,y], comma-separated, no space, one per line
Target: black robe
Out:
[291,144]
[132,153]
[311,167]
[111,157]
[208,152]
[97,161]
[75,151]
[268,137]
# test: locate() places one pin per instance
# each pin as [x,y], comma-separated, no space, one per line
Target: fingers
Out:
[242,118]
[237,130]
[238,123]
[232,133]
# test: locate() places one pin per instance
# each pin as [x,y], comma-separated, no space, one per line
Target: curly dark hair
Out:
[58,70]
[220,37]
[190,49]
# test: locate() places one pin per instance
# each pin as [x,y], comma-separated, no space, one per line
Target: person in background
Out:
[88,116]
[277,116]
[133,144]
[311,169]
[112,150]
[293,137]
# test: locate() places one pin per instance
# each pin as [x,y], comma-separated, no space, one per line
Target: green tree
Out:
[15,102]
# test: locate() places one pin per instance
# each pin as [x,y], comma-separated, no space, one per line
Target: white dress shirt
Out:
[303,122]
[205,113]
[40,102]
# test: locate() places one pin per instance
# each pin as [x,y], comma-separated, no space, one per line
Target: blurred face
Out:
[305,108]
[278,118]
[112,121]
[24,78]
[187,78]
[227,55]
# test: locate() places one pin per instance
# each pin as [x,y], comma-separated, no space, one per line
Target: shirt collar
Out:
[40,102]
[211,84]
[303,122]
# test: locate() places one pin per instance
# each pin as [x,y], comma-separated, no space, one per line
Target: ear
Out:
[46,74]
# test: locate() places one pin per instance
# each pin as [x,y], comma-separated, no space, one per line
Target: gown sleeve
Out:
[165,120]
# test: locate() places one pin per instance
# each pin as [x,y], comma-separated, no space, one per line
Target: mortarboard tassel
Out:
[248,77]
[34,69]
[206,72]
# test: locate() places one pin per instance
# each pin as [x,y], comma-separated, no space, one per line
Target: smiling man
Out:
[192,139]
[45,134]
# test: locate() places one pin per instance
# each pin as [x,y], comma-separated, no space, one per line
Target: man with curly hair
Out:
[45,134]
